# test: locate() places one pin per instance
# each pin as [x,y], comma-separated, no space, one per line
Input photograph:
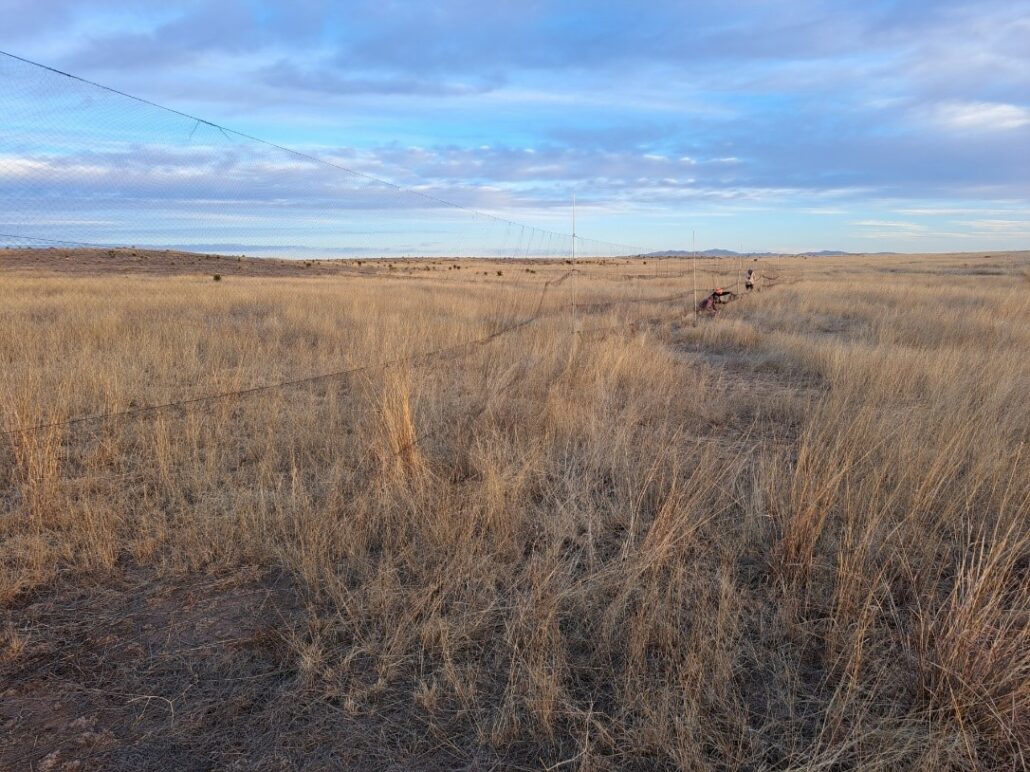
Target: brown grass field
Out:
[795,536]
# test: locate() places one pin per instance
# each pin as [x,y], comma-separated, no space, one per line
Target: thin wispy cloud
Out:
[981,116]
[907,226]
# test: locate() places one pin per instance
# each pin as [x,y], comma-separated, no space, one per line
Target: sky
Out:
[741,124]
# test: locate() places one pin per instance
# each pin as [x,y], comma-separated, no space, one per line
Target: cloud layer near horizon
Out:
[873,126]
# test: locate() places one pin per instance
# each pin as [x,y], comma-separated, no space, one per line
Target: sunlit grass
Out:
[794,536]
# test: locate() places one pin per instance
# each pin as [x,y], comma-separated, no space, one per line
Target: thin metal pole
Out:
[693,265]
[573,230]
[574,277]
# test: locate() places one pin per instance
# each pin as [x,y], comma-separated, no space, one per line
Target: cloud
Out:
[893,224]
[1000,228]
[322,80]
[999,224]
[30,18]
[981,116]
[951,210]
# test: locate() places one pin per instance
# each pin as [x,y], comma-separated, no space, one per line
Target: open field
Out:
[795,536]
[87,261]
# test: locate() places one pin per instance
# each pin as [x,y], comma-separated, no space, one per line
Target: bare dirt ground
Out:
[144,672]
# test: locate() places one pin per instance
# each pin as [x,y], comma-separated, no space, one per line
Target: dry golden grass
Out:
[796,536]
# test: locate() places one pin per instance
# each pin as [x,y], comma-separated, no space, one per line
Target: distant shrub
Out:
[217,277]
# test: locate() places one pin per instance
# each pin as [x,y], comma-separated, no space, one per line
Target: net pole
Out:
[693,265]
[574,276]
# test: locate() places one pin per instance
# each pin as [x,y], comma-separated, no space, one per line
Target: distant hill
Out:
[731,253]
[687,253]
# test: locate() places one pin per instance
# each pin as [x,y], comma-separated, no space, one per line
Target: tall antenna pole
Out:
[574,269]
[693,265]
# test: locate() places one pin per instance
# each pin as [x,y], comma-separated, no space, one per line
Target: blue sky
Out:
[787,126]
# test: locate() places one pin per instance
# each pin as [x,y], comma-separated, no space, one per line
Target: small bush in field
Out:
[217,277]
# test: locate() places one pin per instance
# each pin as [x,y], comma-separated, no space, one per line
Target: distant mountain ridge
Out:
[731,253]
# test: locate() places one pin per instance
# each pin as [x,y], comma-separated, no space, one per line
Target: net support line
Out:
[299,154]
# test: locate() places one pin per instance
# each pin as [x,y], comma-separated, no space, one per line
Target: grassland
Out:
[795,536]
